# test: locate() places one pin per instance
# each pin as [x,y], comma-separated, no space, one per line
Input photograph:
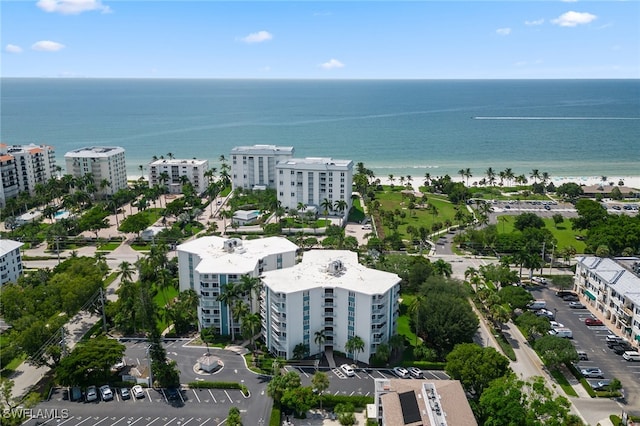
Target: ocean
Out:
[399,127]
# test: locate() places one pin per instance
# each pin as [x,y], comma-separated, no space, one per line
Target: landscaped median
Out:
[220,385]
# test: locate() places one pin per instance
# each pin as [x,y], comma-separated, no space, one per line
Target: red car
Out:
[592,322]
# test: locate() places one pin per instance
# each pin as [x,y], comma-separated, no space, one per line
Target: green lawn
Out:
[564,233]
[392,199]
[357,211]
[404,322]
[109,246]
[161,298]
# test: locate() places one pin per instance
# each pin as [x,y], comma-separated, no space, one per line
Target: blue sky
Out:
[346,39]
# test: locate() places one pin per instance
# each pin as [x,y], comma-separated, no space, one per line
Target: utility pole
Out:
[553,249]
[544,243]
[104,316]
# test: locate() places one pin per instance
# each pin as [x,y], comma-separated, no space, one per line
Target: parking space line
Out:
[100,421]
[381,375]
[337,392]
[187,421]
[357,375]
[205,421]
[66,420]
[303,372]
[135,421]
[88,418]
[228,397]
[180,395]
[148,395]
[153,421]
[371,376]
[212,397]
[118,421]
[196,394]
[169,422]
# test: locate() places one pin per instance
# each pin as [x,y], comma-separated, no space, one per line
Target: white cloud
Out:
[572,19]
[72,7]
[258,37]
[533,23]
[503,31]
[47,46]
[12,48]
[331,64]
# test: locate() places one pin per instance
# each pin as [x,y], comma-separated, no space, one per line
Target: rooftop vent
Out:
[335,267]
[231,244]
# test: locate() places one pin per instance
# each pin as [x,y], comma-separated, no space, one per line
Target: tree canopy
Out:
[476,366]
[90,362]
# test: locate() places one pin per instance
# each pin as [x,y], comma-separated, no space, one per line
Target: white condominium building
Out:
[328,294]
[10,261]
[612,286]
[171,174]
[255,166]
[104,163]
[208,264]
[22,167]
[309,181]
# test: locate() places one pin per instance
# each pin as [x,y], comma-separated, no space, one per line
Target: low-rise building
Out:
[612,286]
[172,174]
[328,294]
[208,264]
[422,403]
[10,261]
[245,217]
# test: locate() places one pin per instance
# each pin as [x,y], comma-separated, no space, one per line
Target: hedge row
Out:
[276,416]
[359,402]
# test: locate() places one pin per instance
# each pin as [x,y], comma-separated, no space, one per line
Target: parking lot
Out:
[592,340]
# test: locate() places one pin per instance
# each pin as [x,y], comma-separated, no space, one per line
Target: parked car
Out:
[621,347]
[124,393]
[592,322]
[631,356]
[346,369]
[577,305]
[137,391]
[563,293]
[173,393]
[570,298]
[415,372]
[106,393]
[555,324]
[598,385]
[592,373]
[562,332]
[75,394]
[91,394]
[545,313]
[612,339]
[401,372]
[582,356]
[537,305]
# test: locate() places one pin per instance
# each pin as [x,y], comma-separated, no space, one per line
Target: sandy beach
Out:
[629,181]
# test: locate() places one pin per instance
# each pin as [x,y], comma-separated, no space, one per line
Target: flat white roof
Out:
[95,151]
[314,272]
[178,162]
[7,246]
[262,149]
[242,260]
[314,162]
[619,278]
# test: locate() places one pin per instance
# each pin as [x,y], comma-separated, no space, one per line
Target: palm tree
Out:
[491,176]
[391,179]
[427,179]
[320,382]
[126,271]
[319,339]
[461,173]
[535,175]
[467,174]
[396,343]
[508,173]
[326,206]
[228,296]
[442,267]
[340,205]
[251,325]
[354,345]
[249,285]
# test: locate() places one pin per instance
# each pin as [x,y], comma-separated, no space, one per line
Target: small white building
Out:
[208,264]
[254,167]
[104,163]
[151,232]
[310,181]
[29,217]
[170,173]
[329,292]
[10,261]
[245,217]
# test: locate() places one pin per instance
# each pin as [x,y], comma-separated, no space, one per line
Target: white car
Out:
[401,372]
[555,324]
[106,393]
[91,394]
[137,391]
[415,372]
[346,369]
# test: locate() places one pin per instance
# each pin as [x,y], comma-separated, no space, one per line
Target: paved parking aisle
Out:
[128,421]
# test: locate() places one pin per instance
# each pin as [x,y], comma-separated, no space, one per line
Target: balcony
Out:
[329,305]
[329,314]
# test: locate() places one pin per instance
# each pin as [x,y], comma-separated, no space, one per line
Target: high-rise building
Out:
[255,166]
[104,163]
[22,167]
[208,264]
[329,294]
[171,173]
[311,181]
